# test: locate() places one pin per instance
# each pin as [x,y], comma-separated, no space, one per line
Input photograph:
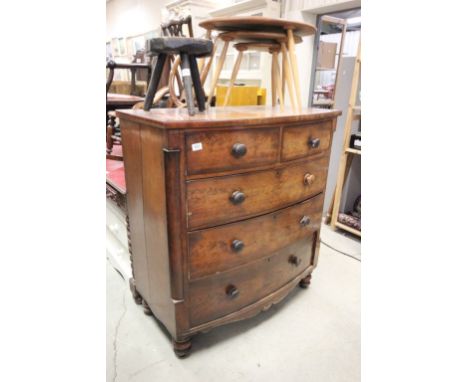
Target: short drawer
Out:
[218,249]
[228,150]
[225,199]
[216,296]
[302,141]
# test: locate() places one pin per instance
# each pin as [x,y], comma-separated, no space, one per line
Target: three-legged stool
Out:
[188,49]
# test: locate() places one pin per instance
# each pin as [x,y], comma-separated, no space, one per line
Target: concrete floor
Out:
[312,335]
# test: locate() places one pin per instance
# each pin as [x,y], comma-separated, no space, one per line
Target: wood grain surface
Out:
[209,204]
[212,250]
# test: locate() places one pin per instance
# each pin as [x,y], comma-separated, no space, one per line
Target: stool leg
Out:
[218,70]
[273,82]
[235,70]
[197,85]
[278,80]
[287,74]
[187,79]
[295,70]
[154,81]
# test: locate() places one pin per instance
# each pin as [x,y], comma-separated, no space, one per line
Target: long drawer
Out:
[227,150]
[218,249]
[225,199]
[216,296]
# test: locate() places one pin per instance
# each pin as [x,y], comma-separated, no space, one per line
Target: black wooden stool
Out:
[189,49]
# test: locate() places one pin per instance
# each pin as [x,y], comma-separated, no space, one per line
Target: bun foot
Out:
[305,282]
[135,294]
[182,348]
[146,308]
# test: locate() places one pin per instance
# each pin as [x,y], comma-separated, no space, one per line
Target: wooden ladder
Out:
[347,153]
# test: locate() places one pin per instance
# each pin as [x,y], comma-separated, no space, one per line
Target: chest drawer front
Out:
[228,150]
[225,199]
[221,248]
[299,142]
[215,296]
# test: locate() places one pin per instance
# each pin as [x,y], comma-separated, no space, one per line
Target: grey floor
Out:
[312,335]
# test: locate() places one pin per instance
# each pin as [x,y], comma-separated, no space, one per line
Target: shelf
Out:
[322,102]
[347,228]
[325,69]
[353,151]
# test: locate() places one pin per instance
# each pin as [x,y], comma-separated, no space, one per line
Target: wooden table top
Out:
[122,99]
[225,116]
[258,23]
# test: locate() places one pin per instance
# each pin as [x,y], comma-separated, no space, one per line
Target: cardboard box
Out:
[326,55]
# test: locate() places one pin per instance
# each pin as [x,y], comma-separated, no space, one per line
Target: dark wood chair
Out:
[120,101]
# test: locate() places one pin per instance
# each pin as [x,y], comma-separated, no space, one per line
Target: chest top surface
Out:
[218,117]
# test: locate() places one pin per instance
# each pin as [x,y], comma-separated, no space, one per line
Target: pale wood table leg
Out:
[287,74]
[233,77]
[207,67]
[278,80]
[201,63]
[222,58]
[283,75]
[295,70]
[273,82]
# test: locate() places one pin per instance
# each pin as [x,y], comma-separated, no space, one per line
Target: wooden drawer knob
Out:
[305,221]
[313,142]
[309,179]
[294,260]
[237,197]
[238,150]
[232,291]
[237,245]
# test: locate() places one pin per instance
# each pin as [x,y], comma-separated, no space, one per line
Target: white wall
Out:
[126,18]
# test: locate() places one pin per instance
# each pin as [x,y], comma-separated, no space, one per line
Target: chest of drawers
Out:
[224,209]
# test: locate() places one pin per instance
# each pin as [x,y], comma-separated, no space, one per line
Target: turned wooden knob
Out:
[237,245]
[313,142]
[238,150]
[304,221]
[309,179]
[232,291]
[237,197]
[294,260]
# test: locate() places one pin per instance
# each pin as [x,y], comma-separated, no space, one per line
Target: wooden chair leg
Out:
[154,81]
[187,79]
[278,80]
[222,58]
[177,76]
[295,70]
[287,74]
[109,132]
[199,93]
[173,100]
[273,82]
[235,70]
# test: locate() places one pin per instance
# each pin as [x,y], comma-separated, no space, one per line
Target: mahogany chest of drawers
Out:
[224,210]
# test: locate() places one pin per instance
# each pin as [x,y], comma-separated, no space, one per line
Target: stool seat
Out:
[198,47]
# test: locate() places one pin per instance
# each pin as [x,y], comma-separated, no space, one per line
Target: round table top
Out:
[257,23]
